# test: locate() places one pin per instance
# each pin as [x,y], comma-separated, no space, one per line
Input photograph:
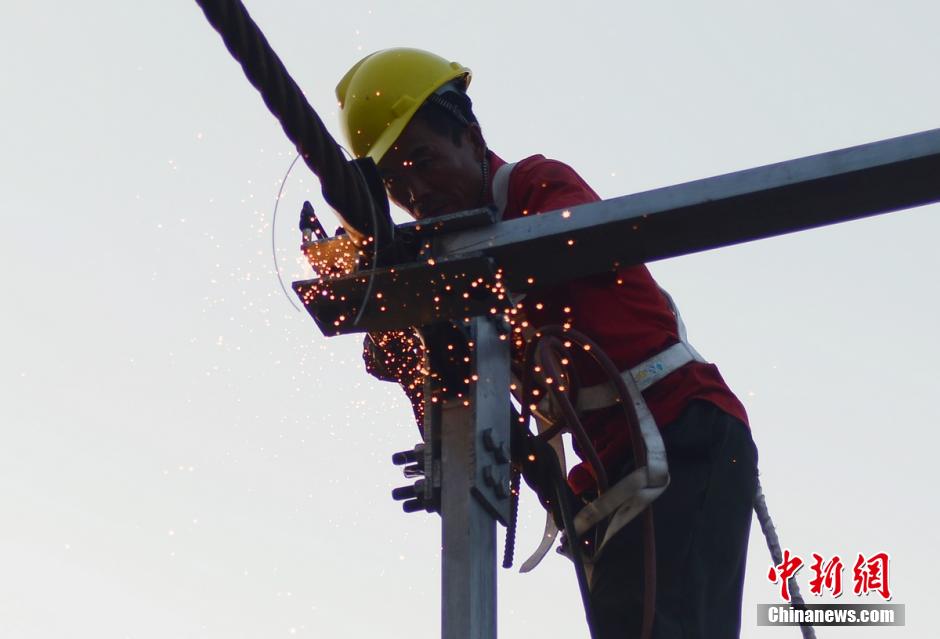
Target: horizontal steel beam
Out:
[771,200]
[557,246]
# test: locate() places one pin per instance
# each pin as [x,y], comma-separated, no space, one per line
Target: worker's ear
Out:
[474,136]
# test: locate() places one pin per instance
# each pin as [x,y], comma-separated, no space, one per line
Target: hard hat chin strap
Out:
[450,106]
[446,98]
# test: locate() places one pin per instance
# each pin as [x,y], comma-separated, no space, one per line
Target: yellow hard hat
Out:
[381,93]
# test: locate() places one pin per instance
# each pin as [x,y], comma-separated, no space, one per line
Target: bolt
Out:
[501,490]
[488,477]
[488,442]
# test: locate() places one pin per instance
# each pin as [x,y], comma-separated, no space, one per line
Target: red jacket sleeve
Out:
[546,185]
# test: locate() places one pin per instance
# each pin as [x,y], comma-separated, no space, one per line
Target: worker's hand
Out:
[398,356]
[394,356]
[374,359]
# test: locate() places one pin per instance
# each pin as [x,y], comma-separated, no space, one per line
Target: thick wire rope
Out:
[773,544]
[375,251]
[340,183]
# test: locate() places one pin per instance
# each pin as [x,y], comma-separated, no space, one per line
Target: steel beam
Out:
[796,195]
[474,490]
[553,247]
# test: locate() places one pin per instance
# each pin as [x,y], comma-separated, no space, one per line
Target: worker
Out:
[409,111]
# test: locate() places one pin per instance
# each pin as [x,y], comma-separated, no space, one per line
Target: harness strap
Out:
[680,324]
[643,375]
[624,500]
[630,496]
[500,187]
[648,372]
[627,498]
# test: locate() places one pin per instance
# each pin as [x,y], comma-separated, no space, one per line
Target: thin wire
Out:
[277,269]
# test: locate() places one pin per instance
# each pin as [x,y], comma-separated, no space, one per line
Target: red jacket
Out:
[623,311]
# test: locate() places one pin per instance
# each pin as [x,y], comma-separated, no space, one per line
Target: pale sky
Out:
[184,455]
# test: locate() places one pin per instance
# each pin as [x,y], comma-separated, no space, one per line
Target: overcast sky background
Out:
[184,455]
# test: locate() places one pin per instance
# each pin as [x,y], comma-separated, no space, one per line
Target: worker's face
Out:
[428,174]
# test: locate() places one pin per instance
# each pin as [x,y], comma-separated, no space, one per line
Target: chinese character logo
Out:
[782,572]
[871,575]
[828,575]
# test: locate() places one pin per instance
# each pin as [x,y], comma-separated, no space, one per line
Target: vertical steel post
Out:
[475,489]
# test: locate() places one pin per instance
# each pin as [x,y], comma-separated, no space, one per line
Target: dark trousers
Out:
[702,522]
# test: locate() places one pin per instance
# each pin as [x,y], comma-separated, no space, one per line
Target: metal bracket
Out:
[489,400]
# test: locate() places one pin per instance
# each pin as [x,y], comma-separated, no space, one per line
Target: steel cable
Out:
[342,187]
[773,545]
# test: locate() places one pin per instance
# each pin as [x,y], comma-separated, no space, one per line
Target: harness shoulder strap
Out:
[500,186]
[680,325]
